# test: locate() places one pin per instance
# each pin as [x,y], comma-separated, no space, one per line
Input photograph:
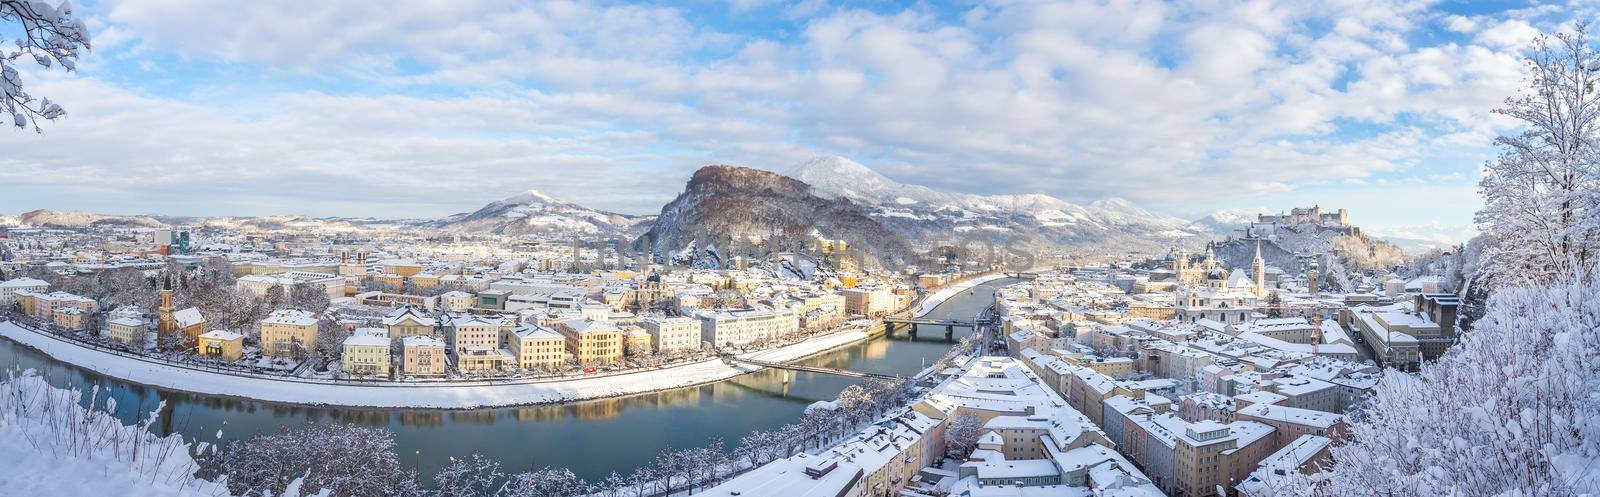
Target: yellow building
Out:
[68,317]
[425,280]
[223,344]
[592,342]
[288,332]
[366,353]
[537,347]
[402,268]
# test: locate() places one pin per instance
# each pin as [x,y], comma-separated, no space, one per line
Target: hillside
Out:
[45,218]
[535,212]
[721,203]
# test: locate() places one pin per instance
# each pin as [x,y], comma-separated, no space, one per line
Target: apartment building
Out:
[670,335]
[421,356]
[366,353]
[258,284]
[592,342]
[537,347]
[288,332]
[739,327]
[463,331]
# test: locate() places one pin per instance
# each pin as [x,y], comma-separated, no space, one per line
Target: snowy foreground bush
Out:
[1512,410]
[51,445]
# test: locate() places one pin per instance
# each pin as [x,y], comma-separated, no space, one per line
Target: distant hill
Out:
[45,218]
[535,212]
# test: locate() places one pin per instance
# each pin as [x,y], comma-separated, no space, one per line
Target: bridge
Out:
[1019,274]
[889,323]
[726,357]
[927,322]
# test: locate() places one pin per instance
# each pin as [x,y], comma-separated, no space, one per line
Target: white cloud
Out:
[1167,104]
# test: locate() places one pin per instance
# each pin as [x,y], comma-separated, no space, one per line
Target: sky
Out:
[409,109]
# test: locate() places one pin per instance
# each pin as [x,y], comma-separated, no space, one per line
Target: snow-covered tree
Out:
[962,435]
[276,298]
[1542,194]
[343,459]
[330,338]
[546,482]
[1512,408]
[49,36]
[473,476]
[308,297]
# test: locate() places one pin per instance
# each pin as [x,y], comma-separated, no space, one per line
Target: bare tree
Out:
[50,36]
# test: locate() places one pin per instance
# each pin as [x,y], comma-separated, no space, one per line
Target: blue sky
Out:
[422,109]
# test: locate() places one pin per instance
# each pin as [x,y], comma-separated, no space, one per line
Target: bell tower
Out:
[1258,272]
[167,324]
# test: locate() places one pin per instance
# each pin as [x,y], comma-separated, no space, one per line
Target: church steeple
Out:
[1258,272]
[167,324]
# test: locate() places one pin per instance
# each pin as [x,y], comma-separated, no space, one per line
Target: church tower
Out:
[1314,279]
[167,325]
[1258,272]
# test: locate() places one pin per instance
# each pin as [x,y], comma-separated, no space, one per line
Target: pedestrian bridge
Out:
[730,358]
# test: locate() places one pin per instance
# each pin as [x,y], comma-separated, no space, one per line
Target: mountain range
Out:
[922,213]
[835,196]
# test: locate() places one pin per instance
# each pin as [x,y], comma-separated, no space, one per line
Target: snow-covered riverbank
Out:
[461,395]
[944,294]
[455,395]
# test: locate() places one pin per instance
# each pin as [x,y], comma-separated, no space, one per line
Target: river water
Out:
[592,438]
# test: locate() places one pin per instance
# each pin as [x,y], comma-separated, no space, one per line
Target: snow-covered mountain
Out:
[534,211]
[1224,221]
[923,213]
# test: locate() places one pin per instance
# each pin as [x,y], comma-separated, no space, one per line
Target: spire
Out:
[166,284]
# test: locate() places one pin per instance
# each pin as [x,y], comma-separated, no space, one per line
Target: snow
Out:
[456,395]
[933,300]
[53,446]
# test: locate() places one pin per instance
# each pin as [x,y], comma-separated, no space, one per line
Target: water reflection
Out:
[592,438]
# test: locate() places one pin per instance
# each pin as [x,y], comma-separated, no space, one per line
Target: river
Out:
[592,438]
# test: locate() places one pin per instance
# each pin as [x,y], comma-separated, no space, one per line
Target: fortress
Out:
[1299,218]
[1307,215]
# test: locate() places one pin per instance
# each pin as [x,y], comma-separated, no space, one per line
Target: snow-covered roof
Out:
[188,317]
[366,340]
[421,341]
[221,335]
[24,283]
[291,316]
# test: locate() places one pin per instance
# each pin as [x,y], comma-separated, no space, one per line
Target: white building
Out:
[743,326]
[672,334]
[9,288]
[258,284]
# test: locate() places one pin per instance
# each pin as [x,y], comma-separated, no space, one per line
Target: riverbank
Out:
[933,300]
[462,395]
[454,395]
